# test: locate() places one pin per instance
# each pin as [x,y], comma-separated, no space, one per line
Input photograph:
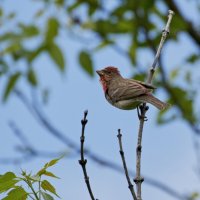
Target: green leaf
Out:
[7,177]
[86,62]
[32,55]
[139,77]
[39,13]
[74,6]
[47,173]
[11,15]
[119,11]
[48,187]
[104,43]
[132,52]
[51,163]
[179,23]
[93,6]
[7,181]
[29,30]
[3,67]
[59,2]
[14,47]
[32,78]
[8,36]
[10,85]
[193,58]
[40,172]
[103,27]
[46,196]
[17,193]
[56,55]
[174,73]
[52,29]
[1,12]
[188,77]
[181,98]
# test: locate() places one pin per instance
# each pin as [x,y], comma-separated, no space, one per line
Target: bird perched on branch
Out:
[126,94]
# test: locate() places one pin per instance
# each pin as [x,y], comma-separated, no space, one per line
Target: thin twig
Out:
[165,33]
[121,151]
[143,109]
[31,187]
[83,161]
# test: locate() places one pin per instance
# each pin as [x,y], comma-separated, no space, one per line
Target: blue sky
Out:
[167,156]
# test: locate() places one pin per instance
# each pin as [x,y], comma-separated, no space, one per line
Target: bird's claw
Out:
[141,110]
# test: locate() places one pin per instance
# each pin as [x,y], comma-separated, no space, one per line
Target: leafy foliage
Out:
[7,181]
[11,184]
[11,84]
[86,62]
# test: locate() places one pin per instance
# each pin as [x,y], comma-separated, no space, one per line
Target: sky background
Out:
[168,153]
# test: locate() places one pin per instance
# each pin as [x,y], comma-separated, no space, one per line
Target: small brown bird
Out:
[126,94]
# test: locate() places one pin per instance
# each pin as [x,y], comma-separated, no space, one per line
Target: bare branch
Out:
[18,133]
[83,161]
[143,109]
[163,38]
[27,150]
[138,178]
[121,151]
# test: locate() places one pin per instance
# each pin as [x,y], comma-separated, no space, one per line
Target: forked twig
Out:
[83,161]
[143,109]
[121,151]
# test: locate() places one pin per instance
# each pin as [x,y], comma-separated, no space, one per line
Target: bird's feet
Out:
[141,111]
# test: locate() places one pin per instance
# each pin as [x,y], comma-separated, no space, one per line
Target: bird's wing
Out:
[128,89]
[146,85]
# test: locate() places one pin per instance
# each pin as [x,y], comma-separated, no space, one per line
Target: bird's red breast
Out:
[103,83]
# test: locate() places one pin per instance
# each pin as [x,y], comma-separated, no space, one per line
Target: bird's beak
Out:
[99,72]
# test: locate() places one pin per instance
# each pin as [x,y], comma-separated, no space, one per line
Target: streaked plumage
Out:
[124,93]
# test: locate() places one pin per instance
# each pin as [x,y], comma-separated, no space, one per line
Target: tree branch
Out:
[163,38]
[28,151]
[143,109]
[130,185]
[83,161]
[138,178]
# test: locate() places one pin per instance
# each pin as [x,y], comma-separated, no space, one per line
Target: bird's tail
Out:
[149,98]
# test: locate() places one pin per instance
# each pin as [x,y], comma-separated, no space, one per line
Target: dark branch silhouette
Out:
[27,150]
[83,161]
[121,151]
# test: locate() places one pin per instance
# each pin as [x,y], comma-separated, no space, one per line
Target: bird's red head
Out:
[107,74]
[109,71]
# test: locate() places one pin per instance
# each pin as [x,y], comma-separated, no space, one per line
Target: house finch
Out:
[124,93]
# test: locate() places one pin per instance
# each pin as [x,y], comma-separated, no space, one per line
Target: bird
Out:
[127,94]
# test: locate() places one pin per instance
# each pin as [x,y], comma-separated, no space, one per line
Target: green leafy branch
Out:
[39,188]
